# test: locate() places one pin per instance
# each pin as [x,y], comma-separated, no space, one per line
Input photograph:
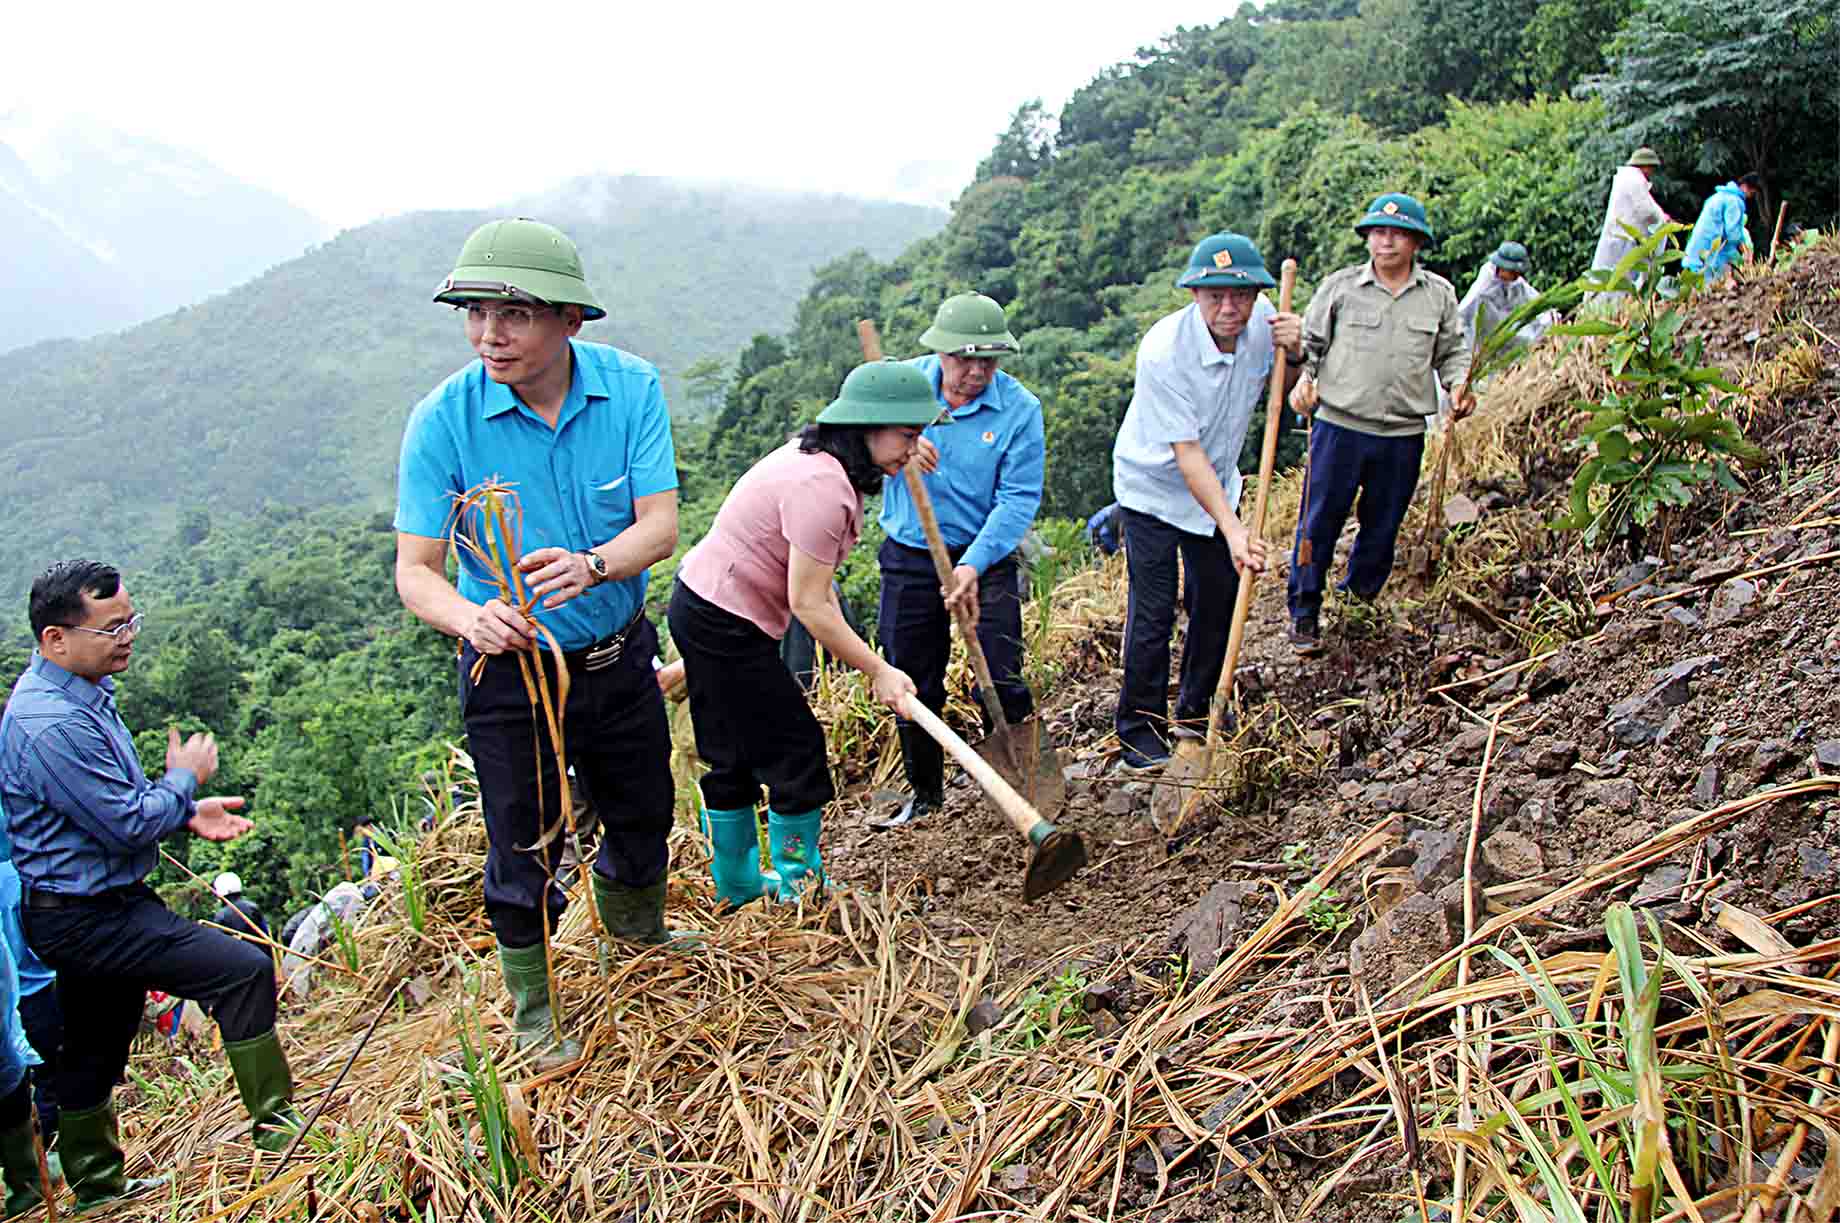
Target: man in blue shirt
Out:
[1175,471]
[581,432]
[86,825]
[1719,237]
[984,476]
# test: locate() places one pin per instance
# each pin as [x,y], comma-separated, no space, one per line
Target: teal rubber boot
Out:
[636,915]
[527,981]
[19,1166]
[91,1146]
[734,843]
[793,842]
[267,1087]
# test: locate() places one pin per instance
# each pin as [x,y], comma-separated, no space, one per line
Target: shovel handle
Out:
[1268,461]
[1016,809]
[942,564]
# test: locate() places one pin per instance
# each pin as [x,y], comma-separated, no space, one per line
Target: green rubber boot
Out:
[527,981]
[734,842]
[267,1087]
[636,915]
[91,1146]
[19,1168]
[793,842]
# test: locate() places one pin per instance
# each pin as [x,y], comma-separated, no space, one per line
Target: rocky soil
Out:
[1668,686]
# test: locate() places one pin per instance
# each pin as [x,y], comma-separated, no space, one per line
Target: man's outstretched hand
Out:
[216,819]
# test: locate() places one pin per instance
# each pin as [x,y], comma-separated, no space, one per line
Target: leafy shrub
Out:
[1661,433]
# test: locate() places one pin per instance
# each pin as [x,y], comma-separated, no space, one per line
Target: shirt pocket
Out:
[1417,340]
[1361,328]
[609,507]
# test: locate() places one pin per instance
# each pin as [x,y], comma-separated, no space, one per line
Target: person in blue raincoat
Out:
[1719,234]
[18,1153]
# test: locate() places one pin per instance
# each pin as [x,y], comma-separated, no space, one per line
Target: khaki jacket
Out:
[1373,355]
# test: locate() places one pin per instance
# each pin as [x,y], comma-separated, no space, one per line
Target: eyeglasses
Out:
[515,320]
[120,633]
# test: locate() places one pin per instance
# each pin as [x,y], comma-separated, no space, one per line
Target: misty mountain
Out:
[99,230]
[292,389]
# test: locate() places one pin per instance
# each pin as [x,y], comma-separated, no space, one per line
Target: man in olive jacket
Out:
[1373,337]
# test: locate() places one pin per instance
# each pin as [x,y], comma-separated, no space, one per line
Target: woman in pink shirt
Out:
[771,554]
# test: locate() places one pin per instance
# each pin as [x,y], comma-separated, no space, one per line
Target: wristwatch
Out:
[597,566]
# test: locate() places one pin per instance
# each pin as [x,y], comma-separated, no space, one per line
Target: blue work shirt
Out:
[577,481]
[988,485]
[1719,234]
[82,815]
[33,975]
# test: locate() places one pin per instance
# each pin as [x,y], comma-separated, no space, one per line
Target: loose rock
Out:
[983,1017]
[1661,885]
[1411,934]
[1205,928]
[1550,756]
[1440,856]
[1706,788]
[1730,600]
[1512,856]
[1619,795]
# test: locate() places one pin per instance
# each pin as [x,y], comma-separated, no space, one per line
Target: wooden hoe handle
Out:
[1016,809]
[1268,461]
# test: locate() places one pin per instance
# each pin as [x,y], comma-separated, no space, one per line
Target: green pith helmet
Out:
[1225,261]
[970,325]
[1645,156]
[1395,210]
[1510,257]
[523,260]
[883,393]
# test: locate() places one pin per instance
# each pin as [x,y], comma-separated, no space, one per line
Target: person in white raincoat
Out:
[1631,203]
[1501,288]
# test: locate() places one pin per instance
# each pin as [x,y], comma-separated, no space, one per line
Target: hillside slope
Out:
[293,388]
[812,1064]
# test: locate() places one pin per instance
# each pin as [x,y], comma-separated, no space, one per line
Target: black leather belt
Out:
[36,899]
[608,650]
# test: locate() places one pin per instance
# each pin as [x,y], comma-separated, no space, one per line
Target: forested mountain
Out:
[101,230]
[292,390]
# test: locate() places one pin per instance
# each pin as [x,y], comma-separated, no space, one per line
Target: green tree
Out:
[1024,148]
[1726,89]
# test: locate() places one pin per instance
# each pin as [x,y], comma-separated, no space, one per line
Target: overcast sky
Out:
[361,110]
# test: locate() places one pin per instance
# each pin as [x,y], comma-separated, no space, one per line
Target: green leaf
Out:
[1586,327]
[1613,447]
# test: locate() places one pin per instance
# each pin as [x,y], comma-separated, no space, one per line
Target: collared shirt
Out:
[577,482]
[82,815]
[988,486]
[1187,390]
[1719,234]
[1372,354]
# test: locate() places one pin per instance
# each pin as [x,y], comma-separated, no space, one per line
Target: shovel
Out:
[1059,852]
[1030,767]
[1177,790]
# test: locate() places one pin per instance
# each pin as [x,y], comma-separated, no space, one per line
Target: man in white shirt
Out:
[1201,372]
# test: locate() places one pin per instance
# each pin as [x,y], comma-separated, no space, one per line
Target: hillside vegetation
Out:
[292,390]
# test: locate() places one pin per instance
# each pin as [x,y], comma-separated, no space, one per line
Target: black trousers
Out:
[43,1020]
[754,726]
[109,950]
[1209,586]
[620,746]
[916,636]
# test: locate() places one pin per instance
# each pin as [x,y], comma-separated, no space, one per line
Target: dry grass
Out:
[815,1065]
